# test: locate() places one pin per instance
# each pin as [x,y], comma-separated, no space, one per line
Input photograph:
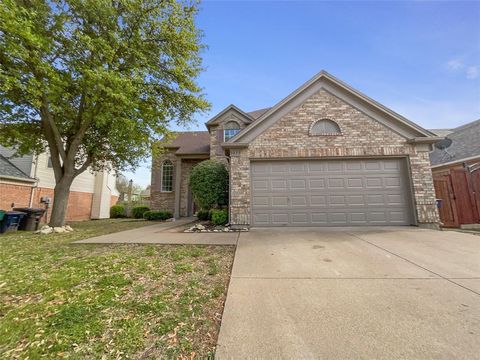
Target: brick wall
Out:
[361,136]
[79,203]
[162,200]
[14,193]
[113,200]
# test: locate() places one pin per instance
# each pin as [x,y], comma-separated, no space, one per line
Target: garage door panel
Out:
[331,193]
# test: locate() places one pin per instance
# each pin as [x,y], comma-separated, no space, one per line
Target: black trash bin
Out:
[32,218]
[11,220]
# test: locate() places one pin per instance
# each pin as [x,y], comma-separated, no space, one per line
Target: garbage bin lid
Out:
[15,213]
[29,210]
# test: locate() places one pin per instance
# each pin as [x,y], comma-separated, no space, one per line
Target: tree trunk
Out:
[60,202]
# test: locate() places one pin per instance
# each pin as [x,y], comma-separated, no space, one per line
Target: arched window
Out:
[167,176]
[325,127]
[230,129]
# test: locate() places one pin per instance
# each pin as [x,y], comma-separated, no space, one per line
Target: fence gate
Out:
[460,191]
[444,191]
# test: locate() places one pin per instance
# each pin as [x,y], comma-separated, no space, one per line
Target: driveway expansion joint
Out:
[415,264]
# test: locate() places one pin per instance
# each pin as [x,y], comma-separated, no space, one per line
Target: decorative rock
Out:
[45,227]
[171,219]
[46,230]
[68,228]
[226,230]
[200,227]
[59,229]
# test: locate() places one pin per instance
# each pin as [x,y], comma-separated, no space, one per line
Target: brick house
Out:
[25,180]
[326,155]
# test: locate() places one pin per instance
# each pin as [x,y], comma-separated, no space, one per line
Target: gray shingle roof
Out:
[191,142]
[10,170]
[465,144]
[257,113]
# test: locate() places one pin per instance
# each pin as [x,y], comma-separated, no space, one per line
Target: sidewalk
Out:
[159,234]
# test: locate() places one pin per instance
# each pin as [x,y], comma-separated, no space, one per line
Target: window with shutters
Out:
[167,176]
[230,129]
[325,127]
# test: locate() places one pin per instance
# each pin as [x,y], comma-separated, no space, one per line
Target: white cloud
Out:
[473,72]
[460,67]
[455,65]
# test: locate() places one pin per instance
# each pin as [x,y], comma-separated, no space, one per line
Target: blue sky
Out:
[421,59]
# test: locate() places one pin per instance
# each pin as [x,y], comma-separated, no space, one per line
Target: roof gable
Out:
[361,102]
[231,112]
[9,170]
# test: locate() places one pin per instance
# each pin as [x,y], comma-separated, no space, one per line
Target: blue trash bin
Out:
[11,220]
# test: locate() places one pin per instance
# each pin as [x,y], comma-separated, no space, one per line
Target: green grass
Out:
[59,299]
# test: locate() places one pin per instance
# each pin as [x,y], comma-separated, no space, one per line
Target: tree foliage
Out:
[96,82]
[209,183]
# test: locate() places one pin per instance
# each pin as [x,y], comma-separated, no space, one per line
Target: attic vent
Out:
[325,127]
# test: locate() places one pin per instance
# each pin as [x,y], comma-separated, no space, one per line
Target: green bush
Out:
[138,211]
[219,217]
[203,215]
[157,215]
[209,183]
[117,211]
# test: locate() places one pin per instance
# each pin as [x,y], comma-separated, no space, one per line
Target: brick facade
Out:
[79,203]
[160,200]
[363,133]
[361,137]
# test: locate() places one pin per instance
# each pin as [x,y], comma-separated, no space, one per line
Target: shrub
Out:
[209,183]
[203,215]
[219,217]
[138,211]
[157,215]
[117,211]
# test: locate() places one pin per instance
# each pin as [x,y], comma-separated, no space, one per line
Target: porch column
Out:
[178,182]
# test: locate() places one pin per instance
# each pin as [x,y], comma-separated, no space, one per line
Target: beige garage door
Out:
[347,192]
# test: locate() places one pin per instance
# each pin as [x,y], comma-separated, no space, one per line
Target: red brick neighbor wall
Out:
[19,195]
[113,200]
[79,203]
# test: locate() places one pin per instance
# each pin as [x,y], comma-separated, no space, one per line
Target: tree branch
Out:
[84,166]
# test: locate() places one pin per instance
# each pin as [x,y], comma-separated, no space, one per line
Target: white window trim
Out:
[161,177]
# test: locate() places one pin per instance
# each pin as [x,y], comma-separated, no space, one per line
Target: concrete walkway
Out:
[161,234]
[369,293]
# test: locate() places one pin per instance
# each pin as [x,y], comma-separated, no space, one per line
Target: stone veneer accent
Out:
[361,136]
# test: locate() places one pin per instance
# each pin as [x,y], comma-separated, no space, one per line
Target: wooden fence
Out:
[459,190]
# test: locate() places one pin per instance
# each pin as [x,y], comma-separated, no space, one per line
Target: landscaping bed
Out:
[109,301]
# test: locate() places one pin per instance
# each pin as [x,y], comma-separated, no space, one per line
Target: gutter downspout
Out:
[32,192]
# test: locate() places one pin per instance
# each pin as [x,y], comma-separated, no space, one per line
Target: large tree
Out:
[95,82]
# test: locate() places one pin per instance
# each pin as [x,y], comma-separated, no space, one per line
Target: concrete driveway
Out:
[358,293]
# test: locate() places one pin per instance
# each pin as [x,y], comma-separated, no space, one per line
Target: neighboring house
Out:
[25,180]
[326,155]
[456,173]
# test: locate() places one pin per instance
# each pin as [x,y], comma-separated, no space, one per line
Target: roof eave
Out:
[425,140]
[453,162]
[15,178]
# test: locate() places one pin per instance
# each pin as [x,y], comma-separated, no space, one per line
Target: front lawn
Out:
[109,301]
